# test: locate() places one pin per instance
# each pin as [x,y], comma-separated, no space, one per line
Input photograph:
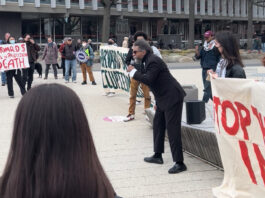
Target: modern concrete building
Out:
[83,18]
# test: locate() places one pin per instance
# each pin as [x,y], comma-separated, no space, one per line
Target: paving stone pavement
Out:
[122,146]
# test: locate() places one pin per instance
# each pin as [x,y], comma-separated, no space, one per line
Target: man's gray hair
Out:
[143,46]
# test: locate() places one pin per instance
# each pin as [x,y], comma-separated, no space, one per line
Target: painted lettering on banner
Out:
[114,69]
[13,56]
[240,131]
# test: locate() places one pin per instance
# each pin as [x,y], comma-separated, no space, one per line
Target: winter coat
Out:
[61,50]
[209,59]
[50,54]
[32,50]
[235,71]
[69,52]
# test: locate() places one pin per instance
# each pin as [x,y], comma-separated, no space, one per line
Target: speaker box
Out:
[195,111]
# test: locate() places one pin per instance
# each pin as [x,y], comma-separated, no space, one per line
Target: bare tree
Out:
[106,18]
[191,23]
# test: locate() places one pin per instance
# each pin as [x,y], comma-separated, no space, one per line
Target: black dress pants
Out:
[30,75]
[171,120]
[17,75]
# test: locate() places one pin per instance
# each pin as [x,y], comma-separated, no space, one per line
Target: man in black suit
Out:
[169,101]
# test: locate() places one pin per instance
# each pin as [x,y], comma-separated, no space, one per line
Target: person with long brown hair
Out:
[52,153]
[230,64]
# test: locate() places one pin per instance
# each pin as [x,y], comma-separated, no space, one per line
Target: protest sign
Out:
[240,131]
[13,56]
[114,69]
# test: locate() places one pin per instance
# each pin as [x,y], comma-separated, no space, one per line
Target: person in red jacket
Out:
[63,57]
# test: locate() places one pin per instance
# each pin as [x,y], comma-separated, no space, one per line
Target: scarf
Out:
[208,46]
[221,68]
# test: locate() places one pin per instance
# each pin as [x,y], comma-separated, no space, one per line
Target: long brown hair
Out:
[52,154]
[230,48]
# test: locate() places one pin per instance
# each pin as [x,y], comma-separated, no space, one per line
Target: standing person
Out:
[78,44]
[125,42]
[112,42]
[3,74]
[263,40]
[32,50]
[169,97]
[87,66]
[52,152]
[134,85]
[63,57]
[16,74]
[50,56]
[230,64]
[70,60]
[209,56]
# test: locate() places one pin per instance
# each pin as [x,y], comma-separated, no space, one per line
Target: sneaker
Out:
[94,83]
[67,81]
[56,77]
[129,117]
[83,83]
[111,94]
[138,102]
[45,78]
[74,81]
[12,96]
[105,93]
[3,84]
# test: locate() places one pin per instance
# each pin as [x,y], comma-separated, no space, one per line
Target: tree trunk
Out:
[191,23]
[106,21]
[250,23]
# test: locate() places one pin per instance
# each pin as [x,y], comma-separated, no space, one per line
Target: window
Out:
[73,26]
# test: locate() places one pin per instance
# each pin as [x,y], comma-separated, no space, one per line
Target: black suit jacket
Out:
[156,75]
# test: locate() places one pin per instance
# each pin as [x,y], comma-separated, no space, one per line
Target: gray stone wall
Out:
[10,22]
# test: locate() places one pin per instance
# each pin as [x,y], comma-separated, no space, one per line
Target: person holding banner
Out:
[230,64]
[87,63]
[16,74]
[50,56]
[169,97]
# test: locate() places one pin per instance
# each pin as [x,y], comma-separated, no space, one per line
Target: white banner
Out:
[240,130]
[114,69]
[13,56]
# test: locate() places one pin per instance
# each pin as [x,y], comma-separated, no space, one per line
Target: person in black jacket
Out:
[209,56]
[230,64]
[169,97]
[32,50]
[70,60]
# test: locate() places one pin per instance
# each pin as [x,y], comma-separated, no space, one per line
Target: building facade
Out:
[83,18]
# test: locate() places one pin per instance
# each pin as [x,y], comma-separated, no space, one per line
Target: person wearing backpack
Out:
[50,56]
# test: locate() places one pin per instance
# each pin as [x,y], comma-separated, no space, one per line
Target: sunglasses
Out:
[135,52]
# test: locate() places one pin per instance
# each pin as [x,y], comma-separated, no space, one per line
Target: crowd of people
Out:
[67,50]
[52,151]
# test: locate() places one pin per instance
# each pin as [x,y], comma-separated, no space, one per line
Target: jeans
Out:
[207,91]
[263,47]
[3,77]
[70,64]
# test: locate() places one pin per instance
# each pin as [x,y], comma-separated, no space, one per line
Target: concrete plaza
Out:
[122,146]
